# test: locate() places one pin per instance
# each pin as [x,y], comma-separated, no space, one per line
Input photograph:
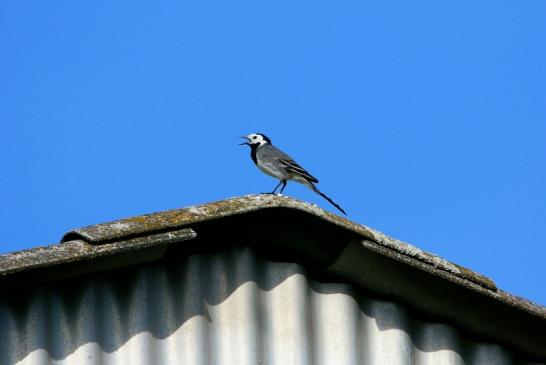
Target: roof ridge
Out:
[176,218]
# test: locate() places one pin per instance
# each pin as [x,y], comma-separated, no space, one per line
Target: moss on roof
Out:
[171,219]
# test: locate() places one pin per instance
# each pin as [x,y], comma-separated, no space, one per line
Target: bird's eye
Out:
[254,137]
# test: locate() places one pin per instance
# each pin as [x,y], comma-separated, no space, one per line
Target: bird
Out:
[274,162]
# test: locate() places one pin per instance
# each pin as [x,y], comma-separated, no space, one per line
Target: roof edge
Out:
[79,252]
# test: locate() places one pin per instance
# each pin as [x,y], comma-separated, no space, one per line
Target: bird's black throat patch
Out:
[253,150]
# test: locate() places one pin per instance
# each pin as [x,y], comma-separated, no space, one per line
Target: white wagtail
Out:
[278,164]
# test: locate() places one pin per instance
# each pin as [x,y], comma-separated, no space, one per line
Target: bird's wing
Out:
[292,167]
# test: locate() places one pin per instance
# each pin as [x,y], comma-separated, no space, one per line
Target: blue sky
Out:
[426,120]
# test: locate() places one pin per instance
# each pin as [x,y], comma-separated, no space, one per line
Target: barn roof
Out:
[283,228]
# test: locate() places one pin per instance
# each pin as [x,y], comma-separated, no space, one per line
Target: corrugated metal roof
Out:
[231,307]
[297,231]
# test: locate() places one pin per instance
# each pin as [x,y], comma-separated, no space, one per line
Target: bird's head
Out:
[256,139]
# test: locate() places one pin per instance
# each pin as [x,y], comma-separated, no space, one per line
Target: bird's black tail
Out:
[316,190]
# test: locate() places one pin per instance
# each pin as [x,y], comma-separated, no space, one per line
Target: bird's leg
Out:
[276,187]
[283,186]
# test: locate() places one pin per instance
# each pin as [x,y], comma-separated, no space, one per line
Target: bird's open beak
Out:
[246,141]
